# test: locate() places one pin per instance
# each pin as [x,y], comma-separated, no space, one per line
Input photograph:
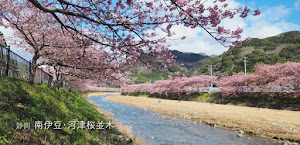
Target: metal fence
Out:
[15,66]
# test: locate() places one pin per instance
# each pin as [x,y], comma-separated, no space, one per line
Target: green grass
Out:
[204,97]
[21,102]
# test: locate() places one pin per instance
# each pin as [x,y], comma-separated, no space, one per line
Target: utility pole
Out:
[7,61]
[209,67]
[245,63]
[29,70]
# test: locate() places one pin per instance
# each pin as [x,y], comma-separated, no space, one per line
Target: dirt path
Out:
[266,123]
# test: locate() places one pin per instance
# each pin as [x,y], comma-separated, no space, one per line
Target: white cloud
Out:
[194,42]
[268,13]
[263,29]
[266,25]
[198,40]
[297,5]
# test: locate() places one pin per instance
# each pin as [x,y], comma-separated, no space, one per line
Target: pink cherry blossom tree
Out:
[171,86]
[89,85]
[70,55]
[120,21]
[100,39]
[130,28]
[266,78]
[40,40]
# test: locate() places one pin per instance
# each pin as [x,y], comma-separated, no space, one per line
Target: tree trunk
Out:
[33,68]
[56,77]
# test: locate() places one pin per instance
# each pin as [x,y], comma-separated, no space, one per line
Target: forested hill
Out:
[188,59]
[271,50]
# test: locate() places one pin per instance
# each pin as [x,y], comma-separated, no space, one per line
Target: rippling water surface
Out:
[157,128]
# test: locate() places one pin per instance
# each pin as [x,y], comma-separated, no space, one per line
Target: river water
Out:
[158,128]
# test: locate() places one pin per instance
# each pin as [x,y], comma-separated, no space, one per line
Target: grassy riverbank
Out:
[266,123]
[23,103]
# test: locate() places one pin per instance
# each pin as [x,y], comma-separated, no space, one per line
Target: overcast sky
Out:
[277,16]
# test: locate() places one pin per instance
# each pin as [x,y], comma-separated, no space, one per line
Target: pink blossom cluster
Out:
[171,86]
[137,88]
[270,77]
[89,85]
[101,89]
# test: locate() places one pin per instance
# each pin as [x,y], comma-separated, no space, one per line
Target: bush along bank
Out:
[22,105]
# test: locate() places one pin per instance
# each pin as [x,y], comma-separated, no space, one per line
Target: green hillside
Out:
[21,103]
[187,63]
[271,50]
[144,75]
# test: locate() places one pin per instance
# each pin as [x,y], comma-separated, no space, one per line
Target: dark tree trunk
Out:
[56,77]
[33,68]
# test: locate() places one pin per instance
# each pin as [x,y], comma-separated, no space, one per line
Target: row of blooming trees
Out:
[269,77]
[88,85]
[266,78]
[171,86]
[100,39]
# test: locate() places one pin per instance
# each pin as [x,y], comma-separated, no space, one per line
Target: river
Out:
[156,128]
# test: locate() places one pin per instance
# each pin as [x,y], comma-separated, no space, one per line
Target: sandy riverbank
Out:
[266,123]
